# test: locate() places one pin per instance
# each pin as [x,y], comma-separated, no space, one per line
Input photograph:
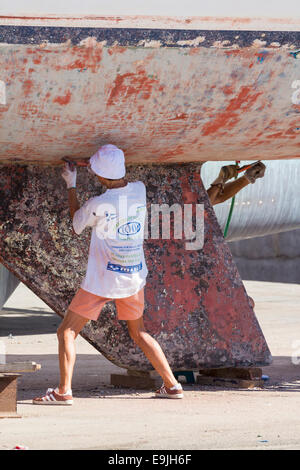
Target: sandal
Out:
[52,397]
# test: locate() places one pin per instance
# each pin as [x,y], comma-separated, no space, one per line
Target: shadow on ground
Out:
[19,322]
[92,380]
[92,371]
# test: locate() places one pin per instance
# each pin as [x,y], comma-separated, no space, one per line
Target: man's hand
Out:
[69,174]
[256,171]
[226,173]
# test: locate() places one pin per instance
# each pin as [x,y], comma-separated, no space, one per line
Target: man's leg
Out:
[152,350]
[67,332]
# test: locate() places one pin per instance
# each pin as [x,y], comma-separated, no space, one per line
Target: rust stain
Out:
[228,90]
[226,19]
[179,116]
[63,100]
[88,55]
[233,52]
[275,136]
[27,87]
[131,84]
[28,109]
[229,118]
[178,150]
[116,50]
[194,51]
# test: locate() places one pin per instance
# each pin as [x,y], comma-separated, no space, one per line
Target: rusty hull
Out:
[165,90]
[196,304]
[169,92]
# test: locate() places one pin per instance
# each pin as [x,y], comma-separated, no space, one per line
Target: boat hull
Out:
[196,304]
[174,92]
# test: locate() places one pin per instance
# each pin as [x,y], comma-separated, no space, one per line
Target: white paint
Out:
[258,43]
[295,356]
[296,94]
[2,92]
[236,8]
[153,43]
[221,44]
[192,42]
[189,22]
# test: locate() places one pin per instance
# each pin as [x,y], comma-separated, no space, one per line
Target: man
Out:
[220,190]
[116,269]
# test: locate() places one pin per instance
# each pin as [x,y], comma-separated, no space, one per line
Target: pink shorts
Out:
[90,305]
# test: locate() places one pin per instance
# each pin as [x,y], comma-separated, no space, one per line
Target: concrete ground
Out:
[103,417]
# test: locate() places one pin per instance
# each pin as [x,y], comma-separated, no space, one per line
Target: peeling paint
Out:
[92,42]
[157,91]
[192,42]
[229,118]
[131,84]
[152,43]
[63,100]
[221,44]
[275,44]
[259,43]
[27,87]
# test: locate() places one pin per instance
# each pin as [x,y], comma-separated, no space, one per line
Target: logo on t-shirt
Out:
[131,228]
[118,268]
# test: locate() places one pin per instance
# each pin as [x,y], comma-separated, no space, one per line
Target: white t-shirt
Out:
[116,264]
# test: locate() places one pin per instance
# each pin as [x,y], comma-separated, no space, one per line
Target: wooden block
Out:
[8,394]
[247,373]
[229,382]
[134,381]
[143,373]
[4,415]
[19,367]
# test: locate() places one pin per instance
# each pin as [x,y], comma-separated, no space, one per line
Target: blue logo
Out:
[131,228]
[117,268]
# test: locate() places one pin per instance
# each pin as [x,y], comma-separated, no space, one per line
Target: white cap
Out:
[109,162]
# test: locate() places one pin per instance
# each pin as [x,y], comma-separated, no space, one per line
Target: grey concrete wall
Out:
[273,258]
[8,283]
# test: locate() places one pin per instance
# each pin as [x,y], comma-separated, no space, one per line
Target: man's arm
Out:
[69,174]
[213,194]
[86,215]
[220,191]
[216,190]
[217,195]
[73,201]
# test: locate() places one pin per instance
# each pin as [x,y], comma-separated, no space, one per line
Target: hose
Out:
[231,207]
